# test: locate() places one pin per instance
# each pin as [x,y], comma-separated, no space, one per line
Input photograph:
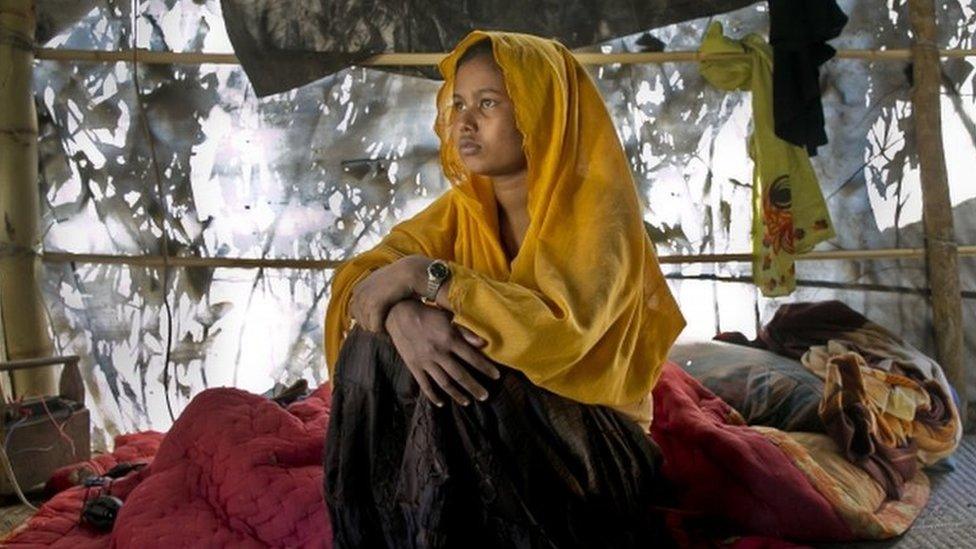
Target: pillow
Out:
[766,388]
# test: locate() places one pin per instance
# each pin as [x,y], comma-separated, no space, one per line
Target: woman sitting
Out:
[509,405]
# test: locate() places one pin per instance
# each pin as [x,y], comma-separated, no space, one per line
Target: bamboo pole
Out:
[424,59]
[28,363]
[24,327]
[156,261]
[824,255]
[805,283]
[940,241]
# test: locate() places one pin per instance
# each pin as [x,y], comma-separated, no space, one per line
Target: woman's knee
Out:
[364,356]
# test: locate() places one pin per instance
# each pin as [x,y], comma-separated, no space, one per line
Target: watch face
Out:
[438,270]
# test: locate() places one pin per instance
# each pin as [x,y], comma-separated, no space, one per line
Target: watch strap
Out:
[433,286]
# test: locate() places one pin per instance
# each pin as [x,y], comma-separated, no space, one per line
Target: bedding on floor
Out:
[237,469]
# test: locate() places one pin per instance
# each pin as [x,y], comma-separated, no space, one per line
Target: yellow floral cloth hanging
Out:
[583,310]
[789,213]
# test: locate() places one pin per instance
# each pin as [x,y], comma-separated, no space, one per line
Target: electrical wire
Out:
[10,431]
[8,468]
[162,204]
[60,428]
[5,460]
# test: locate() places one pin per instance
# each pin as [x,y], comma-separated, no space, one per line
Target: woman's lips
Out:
[469,148]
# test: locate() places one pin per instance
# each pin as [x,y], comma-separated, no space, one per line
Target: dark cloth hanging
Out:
[525,468]
[798,31]
[283,44]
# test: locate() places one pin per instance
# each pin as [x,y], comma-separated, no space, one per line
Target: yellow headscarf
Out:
[583,310]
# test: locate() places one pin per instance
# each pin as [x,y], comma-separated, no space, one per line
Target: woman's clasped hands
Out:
[435,350]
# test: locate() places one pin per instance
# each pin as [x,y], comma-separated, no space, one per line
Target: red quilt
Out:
[235,470]
[238,470]
[723,469]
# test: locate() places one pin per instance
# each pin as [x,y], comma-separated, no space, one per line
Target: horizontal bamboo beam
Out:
[141,56]
[182,261]
[259,263]
[424,59]
[28,363]
[829,284]
[825,255]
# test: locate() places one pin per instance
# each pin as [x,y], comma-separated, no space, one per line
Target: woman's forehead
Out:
[477,75]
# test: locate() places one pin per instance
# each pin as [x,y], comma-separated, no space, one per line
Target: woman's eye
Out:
[487,103]
[458,106]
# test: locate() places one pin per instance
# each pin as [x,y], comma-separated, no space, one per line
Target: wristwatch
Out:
[437,272]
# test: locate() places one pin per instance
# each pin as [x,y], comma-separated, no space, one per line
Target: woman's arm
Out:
[413,272]
[375,294]
[429,344]
[431,232]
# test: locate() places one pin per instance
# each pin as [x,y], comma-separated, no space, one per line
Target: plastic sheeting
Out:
[323,171]
[271,37]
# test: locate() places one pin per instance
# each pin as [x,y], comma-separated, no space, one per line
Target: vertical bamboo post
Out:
[940,241]
[25,331]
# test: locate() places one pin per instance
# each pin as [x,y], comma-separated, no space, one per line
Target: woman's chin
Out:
[477,168]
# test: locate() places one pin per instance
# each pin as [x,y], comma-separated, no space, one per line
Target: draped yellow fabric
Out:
[789,214]
[583,309]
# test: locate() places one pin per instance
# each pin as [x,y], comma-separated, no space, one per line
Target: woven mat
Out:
[12,516]
[949,518]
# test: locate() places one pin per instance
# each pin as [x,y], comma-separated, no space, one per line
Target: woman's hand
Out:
[373,296]
[430,346]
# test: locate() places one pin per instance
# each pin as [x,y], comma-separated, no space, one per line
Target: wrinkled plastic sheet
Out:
[323,171]
[274,39]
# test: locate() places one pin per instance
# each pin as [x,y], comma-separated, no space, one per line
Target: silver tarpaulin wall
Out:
[324,170]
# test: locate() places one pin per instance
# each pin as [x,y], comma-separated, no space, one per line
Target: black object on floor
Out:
[284,396]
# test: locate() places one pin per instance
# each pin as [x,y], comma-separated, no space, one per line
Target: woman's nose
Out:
[466,121]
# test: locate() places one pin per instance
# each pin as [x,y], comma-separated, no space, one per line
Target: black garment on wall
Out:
[798,31]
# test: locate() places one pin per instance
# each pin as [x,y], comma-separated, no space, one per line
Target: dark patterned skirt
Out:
[525,468]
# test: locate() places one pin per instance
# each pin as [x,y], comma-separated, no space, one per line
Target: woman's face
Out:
[483,123]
